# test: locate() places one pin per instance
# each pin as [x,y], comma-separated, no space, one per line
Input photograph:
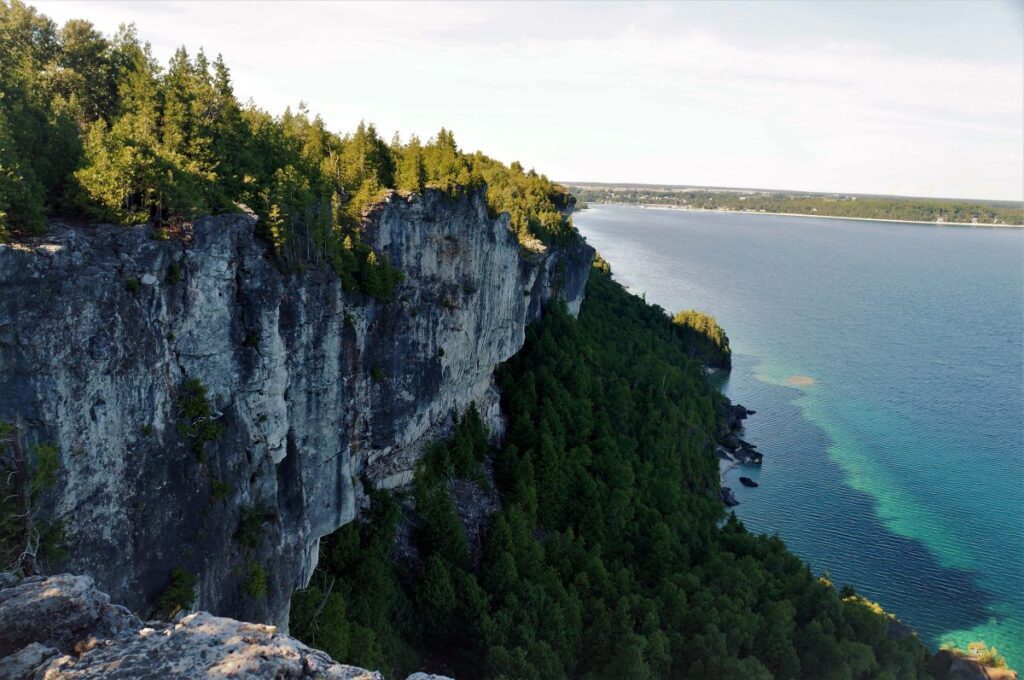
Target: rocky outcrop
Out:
[949,665]
[320,394]
[733,449]
[62,628]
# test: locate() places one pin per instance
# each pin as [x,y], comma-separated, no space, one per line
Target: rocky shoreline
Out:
[737,451]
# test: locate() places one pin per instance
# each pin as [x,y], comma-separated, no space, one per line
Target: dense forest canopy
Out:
[611,556]
[831,205]
[707,338]
[94,127]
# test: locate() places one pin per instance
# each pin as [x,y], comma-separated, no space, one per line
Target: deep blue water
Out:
[886,365]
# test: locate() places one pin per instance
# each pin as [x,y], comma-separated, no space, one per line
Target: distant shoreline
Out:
[656,206]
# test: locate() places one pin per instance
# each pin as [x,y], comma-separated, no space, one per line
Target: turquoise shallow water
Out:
[900,470]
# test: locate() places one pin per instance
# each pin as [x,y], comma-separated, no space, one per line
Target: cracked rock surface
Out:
[68,630]
[321,394]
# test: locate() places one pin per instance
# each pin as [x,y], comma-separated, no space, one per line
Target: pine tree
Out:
[275,228]
[412,169]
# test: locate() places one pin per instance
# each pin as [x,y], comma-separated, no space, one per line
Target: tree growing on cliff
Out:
[707,338]
[93,126]
[25,473]
[412,169]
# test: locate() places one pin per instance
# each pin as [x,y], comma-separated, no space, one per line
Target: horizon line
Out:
[1019,202]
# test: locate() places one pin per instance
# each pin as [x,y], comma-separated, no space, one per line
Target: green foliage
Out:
[219,490]
[706,336]
[256,584]
[93,126]
[367,618]
[39,141]
[44,466]
[133,284]
[173,273]
[196,418]
[980,652]
[39,473]
[179,595]
[610,556]
[536,206]
[250,524]
[318,615]
[376,276]
[459,456]
[411,175]
[52,541]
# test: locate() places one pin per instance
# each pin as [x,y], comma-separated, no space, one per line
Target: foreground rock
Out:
[321,394]
[62,628]
[947,665]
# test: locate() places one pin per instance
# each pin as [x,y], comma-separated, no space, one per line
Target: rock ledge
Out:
[62,627]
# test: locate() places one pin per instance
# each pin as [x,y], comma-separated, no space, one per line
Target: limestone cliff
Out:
[322,394]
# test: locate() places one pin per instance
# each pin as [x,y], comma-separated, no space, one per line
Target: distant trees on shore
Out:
[837,205]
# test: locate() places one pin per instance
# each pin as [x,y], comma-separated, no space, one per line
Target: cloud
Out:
[771,95]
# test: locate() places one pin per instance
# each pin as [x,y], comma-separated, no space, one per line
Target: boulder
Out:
[948,665]
[56,612]
[737,414]
[728,497]
[63,628]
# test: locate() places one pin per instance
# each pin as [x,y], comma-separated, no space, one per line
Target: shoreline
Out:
[724,472]
[656,206]
[732,452]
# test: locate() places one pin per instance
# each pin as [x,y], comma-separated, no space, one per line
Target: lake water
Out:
[886,365]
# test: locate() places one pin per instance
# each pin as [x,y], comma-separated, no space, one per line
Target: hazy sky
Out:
[903,98]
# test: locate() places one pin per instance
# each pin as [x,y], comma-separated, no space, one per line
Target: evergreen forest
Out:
[93,128]
[611,555]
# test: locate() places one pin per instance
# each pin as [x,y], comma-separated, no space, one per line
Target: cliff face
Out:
[322,394]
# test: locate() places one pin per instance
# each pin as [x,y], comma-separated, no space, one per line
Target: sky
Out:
[907,98]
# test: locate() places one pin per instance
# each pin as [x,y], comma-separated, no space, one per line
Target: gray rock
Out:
[55,612]
[64,632]
[25,662]
[322,393]
[427,676]
[728,497]
[947,665]
[202,645]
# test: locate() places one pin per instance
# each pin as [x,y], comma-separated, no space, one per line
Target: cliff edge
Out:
[217,415]
[62,627]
